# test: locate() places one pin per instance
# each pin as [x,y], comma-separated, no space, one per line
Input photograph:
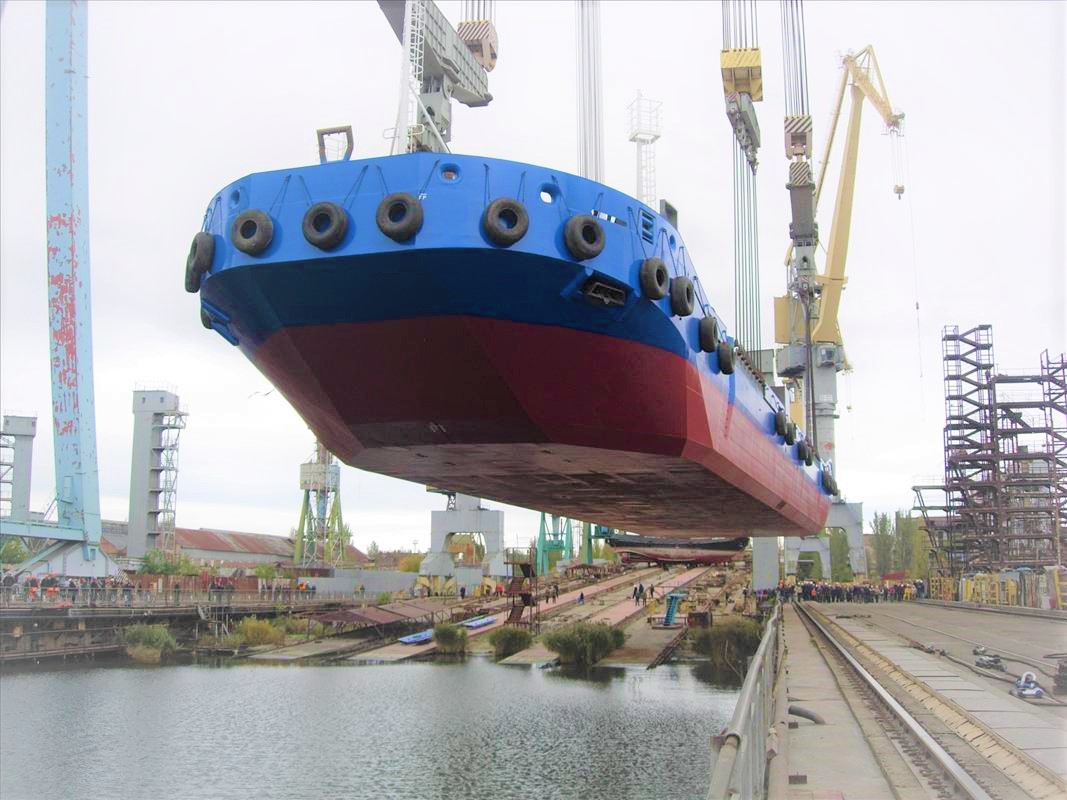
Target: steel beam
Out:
[70,321]
[41,530]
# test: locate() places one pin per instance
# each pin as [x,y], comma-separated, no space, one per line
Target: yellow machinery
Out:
[806,318]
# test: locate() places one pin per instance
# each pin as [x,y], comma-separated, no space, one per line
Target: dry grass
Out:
[143,654]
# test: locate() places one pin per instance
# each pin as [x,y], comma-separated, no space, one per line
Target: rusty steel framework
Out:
[523,588]
[1003,503]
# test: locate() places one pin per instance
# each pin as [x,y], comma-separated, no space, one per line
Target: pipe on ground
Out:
[800,711]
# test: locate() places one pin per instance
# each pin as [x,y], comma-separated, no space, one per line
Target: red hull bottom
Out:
[677,555]
[579,424]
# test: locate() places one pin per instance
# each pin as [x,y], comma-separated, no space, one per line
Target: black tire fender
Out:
[828,482]
[584,237]
[710,337]
[399,216]
[252,231]
[655,278]
[683,296]
[726,358]
[198,262]
[505,221]
[781,423]
[325,225]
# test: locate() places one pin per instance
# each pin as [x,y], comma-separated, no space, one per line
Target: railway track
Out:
[926,745]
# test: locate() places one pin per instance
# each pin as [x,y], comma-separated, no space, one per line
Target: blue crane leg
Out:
[70,322]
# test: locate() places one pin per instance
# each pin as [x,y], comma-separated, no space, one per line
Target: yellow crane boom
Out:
[862,77]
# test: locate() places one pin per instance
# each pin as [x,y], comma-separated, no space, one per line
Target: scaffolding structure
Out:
[1003,503]
[159,420]
[523,587]
[16,463]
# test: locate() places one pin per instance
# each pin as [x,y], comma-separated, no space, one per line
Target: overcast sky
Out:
[185,97]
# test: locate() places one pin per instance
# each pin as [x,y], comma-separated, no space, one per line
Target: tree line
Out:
[897,544]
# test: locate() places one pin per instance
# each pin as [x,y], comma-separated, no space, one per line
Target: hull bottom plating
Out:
[575,423]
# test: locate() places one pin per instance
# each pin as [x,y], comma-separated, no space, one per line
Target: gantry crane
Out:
[806,318]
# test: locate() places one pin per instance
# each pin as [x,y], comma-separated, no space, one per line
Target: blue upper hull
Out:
[452,268]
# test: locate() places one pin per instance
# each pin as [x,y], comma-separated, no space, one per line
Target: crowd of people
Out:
[53,588]
[838,592]
[112,590]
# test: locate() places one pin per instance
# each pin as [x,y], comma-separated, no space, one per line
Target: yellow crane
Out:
[806,323]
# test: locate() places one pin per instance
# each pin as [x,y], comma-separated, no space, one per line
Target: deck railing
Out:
[740,769]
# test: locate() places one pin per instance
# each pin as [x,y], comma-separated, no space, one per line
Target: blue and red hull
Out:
[489,370]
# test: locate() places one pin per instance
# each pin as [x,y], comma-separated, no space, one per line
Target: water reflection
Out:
[719,676]
[472,729]
[596,676]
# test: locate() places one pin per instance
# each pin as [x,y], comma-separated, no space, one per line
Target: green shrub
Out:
[265,572]
[450,638]
[255,631]
[583,643]
[157,562]
[384,597]
[289,624]
[509,640]
[728,642]
[155,637]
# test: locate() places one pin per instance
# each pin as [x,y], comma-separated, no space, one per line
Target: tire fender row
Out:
[398,216]
[655,282]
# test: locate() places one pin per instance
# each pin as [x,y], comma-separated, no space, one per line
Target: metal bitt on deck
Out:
[69,308]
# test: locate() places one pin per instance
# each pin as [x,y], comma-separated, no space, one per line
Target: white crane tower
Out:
[645,129]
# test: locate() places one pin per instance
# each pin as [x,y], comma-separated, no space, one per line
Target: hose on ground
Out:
[800,711]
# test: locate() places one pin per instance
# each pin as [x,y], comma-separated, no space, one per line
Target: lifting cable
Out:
[797,107]
[740,31]
[795,58]
[905,174]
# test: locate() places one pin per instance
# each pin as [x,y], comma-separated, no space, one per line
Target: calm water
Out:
[466,730]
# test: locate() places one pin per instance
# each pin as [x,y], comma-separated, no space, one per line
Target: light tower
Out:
[320,534]
[158,421]
[644,131]
[16,466]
